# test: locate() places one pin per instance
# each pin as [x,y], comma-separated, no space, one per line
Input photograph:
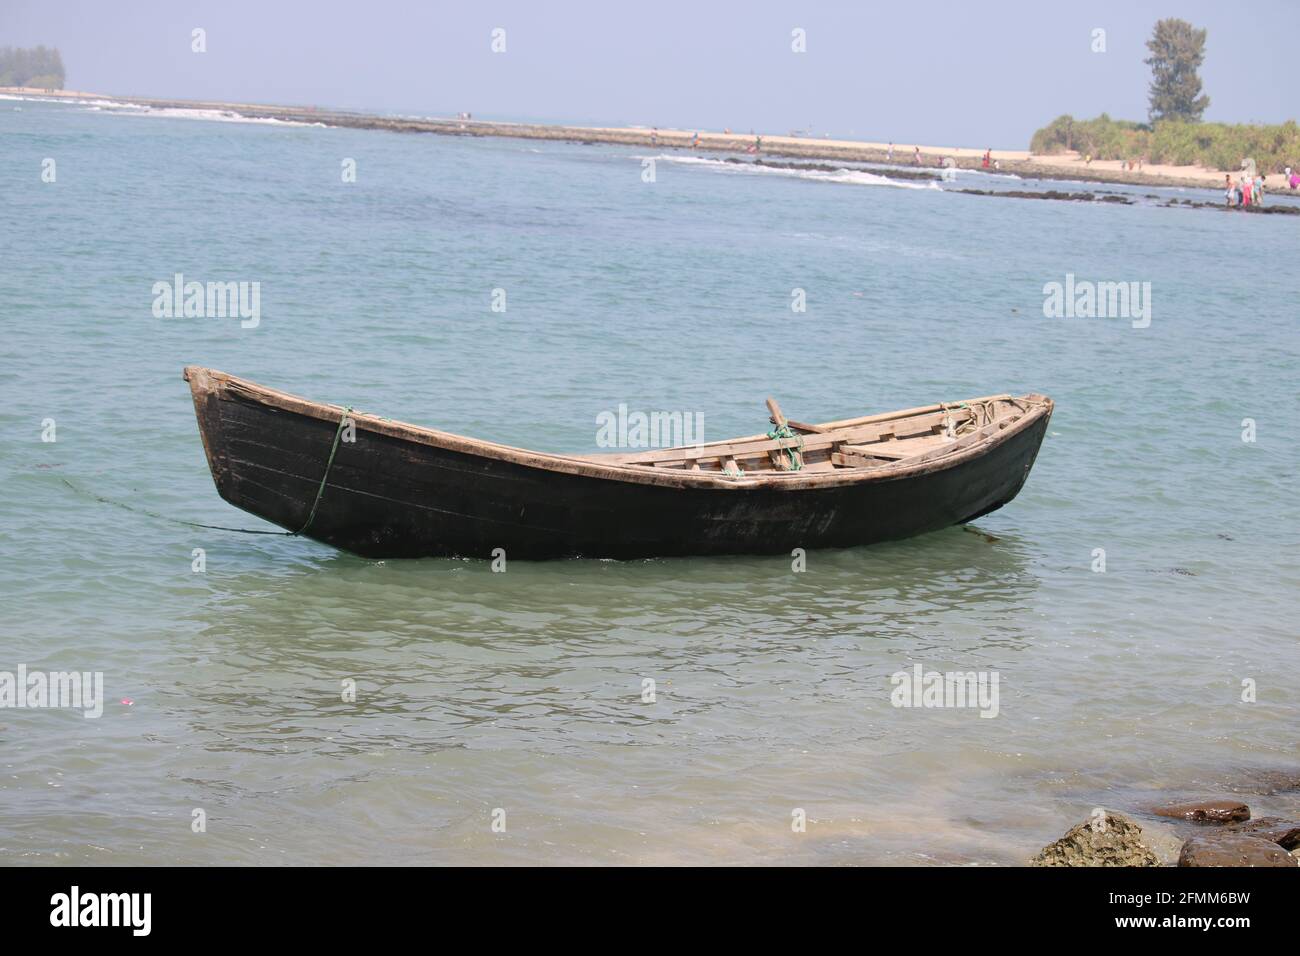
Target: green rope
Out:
[320,491]
[782,432]
[338,433]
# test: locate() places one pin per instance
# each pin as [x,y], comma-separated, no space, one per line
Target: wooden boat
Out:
[399,490]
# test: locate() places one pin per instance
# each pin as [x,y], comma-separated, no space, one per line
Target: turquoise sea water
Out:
[522,691]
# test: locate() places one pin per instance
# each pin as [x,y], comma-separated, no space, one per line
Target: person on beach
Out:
[987,154]
[1087,160]
[1245,191]
[758,144]
[889,157]
[916,155]
[1259,190]
[1227,190]
[654,136]
[695,140]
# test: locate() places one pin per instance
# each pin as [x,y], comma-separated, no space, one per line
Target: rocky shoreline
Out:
[1209,832]
[1128,201]
[936,176]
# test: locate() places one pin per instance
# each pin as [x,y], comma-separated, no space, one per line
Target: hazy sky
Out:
[942,73]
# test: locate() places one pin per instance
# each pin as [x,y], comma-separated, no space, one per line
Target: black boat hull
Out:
[389,497]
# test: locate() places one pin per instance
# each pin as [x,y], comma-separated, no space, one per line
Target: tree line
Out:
[1174,132]
[1175,142]
[40,67]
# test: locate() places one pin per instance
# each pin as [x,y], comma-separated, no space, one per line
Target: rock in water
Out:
[1232,849]
[1285,833]
[1105,839]
[1207,811]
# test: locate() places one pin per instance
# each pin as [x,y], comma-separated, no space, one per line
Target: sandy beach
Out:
[1063,166]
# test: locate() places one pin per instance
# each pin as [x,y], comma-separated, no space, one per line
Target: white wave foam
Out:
[70,101]
[127,108]
[852,177]
[992,174]
[220,116]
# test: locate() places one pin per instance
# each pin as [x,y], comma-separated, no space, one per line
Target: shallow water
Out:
[523,691]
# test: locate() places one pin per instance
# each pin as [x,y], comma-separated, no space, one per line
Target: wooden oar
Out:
[779,419]
[802,427]
[775,410]
[779,459]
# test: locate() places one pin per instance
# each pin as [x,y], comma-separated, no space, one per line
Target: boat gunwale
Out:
[207,381]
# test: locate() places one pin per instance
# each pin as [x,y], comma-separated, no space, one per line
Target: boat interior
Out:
[873,442]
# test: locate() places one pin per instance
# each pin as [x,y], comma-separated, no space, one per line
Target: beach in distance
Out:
[1070,166]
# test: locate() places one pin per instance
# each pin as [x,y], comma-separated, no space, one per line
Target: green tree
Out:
[1177,51]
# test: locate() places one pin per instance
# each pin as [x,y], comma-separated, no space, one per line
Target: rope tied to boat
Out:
[780,434]
[320,492]
[981,414]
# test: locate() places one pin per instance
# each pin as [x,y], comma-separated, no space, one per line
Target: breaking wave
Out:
[127,108]
[853,177]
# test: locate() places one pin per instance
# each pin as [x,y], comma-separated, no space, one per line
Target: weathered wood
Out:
[802,427]
[775,409]
[786,458]
[754,449]
[919,426]
[852,460]
[890,451]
